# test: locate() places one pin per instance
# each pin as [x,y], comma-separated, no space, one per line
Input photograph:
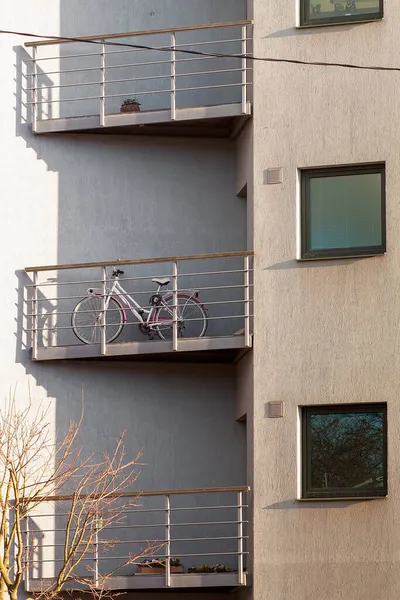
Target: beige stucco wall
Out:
[326,331]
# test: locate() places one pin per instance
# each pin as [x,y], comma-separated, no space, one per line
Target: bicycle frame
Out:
[122,297]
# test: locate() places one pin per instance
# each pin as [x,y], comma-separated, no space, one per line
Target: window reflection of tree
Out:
[347,450]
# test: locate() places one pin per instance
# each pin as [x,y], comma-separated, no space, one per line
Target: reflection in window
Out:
[344,451]
[343,211]
[320,12]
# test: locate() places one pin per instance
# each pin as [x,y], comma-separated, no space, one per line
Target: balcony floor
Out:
[222,121]
[205,349]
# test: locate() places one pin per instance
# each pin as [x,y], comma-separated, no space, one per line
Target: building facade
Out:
[158,147]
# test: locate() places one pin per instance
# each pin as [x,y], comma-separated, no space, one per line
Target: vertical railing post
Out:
[175,306]
[173,76]
[240,537]
[26,557]
[247,339]
[244,69]
[35,316]
[102,83]
[168,541]
[103,339]
[34,89]
[96,554]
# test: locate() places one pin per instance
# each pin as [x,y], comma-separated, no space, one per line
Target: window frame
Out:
[305,214]
[309,493]
[305,21]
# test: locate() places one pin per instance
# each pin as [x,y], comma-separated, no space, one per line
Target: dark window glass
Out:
[343,211]
[322,12]
[344,451]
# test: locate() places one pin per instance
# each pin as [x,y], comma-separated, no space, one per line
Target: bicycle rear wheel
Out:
[86,320]
[192,318]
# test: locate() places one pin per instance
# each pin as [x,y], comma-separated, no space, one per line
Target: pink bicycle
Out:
[158,318]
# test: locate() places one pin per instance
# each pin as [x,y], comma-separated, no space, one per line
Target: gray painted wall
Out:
[69,198]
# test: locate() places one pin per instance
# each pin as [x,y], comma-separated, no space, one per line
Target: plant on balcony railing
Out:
[130,105]
[210,569]
[152,567]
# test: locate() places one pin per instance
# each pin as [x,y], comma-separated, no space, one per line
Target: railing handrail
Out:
[139,261]
[213,490]
[108,36]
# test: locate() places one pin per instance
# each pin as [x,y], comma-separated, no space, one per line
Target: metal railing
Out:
[203,525]
[219,286]
[168,69]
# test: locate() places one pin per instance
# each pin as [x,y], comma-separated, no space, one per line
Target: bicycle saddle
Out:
[161,281]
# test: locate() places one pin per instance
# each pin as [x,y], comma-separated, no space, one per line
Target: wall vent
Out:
[274,175]
[275,410]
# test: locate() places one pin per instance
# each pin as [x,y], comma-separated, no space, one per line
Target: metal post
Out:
[175,306]
[96,555]
[168,541]
[247,339]
[35,316]
[240,538]
[173,76]
[244,69]
[28,549]
[34,89]
[102,84]
[103,331]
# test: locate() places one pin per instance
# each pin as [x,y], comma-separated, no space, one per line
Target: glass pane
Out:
[340,10]
[347,450]
[345,211]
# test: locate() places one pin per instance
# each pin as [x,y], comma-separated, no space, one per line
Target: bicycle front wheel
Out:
[192,318]
[86,320]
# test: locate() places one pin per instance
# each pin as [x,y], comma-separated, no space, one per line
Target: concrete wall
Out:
[326,331]
[90,18]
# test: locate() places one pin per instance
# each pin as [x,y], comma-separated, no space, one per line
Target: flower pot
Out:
[130,108]
[141,570]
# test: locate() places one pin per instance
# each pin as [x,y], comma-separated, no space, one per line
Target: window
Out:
[328,12]
[343,211]
[344,451]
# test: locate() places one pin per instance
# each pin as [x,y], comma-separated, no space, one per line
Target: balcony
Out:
[200,526]
[189,81]
[187,308]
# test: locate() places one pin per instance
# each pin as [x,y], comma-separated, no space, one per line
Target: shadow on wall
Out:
[183,417]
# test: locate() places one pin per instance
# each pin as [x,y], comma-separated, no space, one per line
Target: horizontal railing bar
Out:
[59,100]
[147,510]
[191,45]
[66,85]
[167,76]
[198,289]
[100,281]
[109,310]
[61,57]
[162,556]
[143,64]
[108,53]
[80,70]
[141,261]
[166,91]
[179,492]
[157,541]
[210,87]
[109,36]
[56,560]
[135,324]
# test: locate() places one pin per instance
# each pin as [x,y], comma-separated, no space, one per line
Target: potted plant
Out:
[130,105]
[155,566]
[210,569]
